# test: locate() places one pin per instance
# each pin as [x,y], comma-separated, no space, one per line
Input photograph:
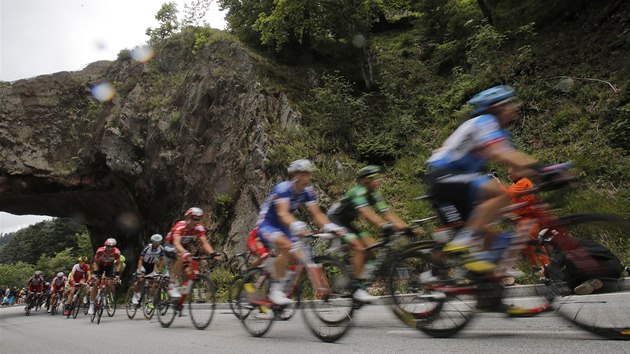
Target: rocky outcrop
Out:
[182,130]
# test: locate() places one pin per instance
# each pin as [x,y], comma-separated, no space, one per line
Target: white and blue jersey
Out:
[269,223]
[462,151]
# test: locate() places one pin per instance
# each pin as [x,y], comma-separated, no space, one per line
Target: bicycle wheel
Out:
[111,304]
[148,304]
[76,305]
[166,308]
[102,303]
[605,312]
[202,302]
[412,299]
[86,303]
[232,294]
[130,307]
[328,313]
[53,307]
[255,308]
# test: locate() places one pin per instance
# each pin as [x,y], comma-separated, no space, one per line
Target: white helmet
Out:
[302,165]
[110,242]
[194,212]
[156,238]
[60,274]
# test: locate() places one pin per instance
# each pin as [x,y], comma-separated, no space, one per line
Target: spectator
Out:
[562,269]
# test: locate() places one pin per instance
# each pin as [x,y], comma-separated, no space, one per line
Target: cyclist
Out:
[456,172]
[179,239]
[106,261]
[256,248]
[365,202]
[151,255]
[80,274]
[36,285]
[57,286]
[278,227]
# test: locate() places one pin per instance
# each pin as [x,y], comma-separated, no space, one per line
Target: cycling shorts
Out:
[460,189]
[268,234]
[255,246]
[108,270]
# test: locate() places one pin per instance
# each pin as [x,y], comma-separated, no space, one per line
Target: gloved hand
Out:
[387,229]
[335,229]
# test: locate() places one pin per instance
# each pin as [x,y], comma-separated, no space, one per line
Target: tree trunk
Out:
[485,10]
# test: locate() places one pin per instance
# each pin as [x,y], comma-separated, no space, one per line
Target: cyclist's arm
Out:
[205,244]
[177,243]
[367,213]
[160,264]
[318,216]
[118,266]
[282,209]
[89,275]
[140,264]
[504,153]
[394,219]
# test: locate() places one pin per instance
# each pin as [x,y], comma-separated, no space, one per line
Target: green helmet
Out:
[370,171]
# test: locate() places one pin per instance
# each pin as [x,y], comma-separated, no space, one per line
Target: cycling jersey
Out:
[57,283]
[462,150]
[255,246]
[186,235]
[106,258]
[151,255]
[269,223]
[36,285]
[345,211]
[78,272]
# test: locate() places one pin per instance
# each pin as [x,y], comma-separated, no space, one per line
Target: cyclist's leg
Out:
[492,198]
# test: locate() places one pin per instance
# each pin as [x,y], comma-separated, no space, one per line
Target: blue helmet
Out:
[484,99]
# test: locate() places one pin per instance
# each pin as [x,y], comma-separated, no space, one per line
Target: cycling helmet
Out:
[82,259]
[302,165]
[546,235]
[369,172]
[194,212]
[60,274]
[156,238]
[110,242]
[47,283]
[122,259]
[38,273]
[484,99]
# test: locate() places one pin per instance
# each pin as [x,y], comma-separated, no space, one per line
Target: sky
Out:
[40,37]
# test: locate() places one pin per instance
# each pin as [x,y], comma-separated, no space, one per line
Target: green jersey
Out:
[346,211]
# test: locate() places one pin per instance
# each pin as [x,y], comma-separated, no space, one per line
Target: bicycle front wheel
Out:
[111,304]
[148,306]
[232,294]
[130,307]
[102,303]
[605,311]
[252,303]
[328,310]
[202,302]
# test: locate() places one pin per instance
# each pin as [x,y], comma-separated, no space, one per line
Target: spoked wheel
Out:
[202,302]
[27,310]
[413,299]
[53,307]
[111,304]
[76,305]
[102,303]
[253,305]
[86,303]
[328,314]
[148,305]
[232,294]
[605,312]
[130,307]
[166,308]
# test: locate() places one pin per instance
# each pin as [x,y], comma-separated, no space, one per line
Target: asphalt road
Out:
[376,330]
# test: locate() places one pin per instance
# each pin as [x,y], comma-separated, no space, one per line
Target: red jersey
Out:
[78,272]
[186,235]
[514,190]
[105,258]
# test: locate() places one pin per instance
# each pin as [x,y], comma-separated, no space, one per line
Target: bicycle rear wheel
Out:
[328,315]
[102,303]
[202,302]
[166,308]
[605,312]
[76,305]
[252,303]
[130,307]
[148,306]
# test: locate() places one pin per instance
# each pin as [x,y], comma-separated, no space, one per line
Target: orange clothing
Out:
[535,255]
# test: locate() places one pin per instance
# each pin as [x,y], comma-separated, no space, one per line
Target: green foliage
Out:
[224,207]
[43,238]
[167,17]
[15,274]
[222,278]
[84,245]
[61,262]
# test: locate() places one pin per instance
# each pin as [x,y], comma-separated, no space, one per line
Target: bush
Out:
[15,274]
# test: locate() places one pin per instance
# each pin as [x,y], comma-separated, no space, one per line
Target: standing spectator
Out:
[4,294]
[12,295]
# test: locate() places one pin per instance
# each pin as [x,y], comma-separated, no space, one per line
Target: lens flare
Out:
[103,91]
[142,53]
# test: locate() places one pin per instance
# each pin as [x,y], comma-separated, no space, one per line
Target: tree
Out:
[167,17]
[194,13]
[61,262]
[15,274]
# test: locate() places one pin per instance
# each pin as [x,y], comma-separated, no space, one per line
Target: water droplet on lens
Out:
[142,53]
[359,41]
[103,91]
